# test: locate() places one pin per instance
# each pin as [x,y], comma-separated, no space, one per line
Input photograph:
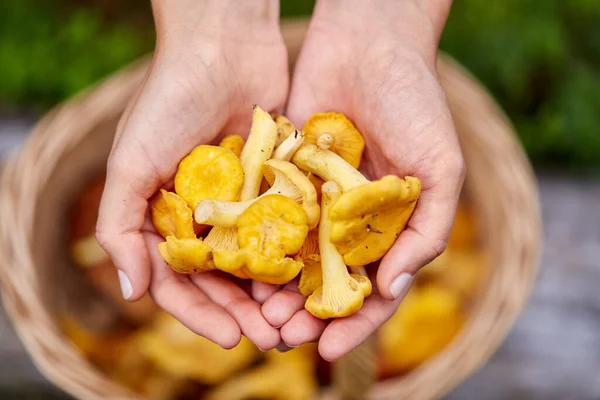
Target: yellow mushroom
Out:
[426,321]
[187,255]
[311,275]
[342,294]
[368,219]
[258,149]
[288,147]
[267,231]
[181,353]
[209,172]
[284,128]
[284,376]
[285,179]
[459,270]
[341,136]
[369,216]
[235,143]
[172,216]
[325,141]
[87,252]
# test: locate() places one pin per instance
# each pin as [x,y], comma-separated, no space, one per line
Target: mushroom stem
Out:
[325,141]
[328,166]
[288,147]
[341,294]
[362,271]
[332,263]
[258,149]
[221,213]
[286,179]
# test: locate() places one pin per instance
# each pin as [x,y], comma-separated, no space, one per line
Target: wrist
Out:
[418,24]
[187,21]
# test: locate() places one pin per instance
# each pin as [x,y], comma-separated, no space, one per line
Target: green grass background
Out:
[539,58]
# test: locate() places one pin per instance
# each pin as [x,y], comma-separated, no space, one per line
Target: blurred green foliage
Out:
[539,58]
[541,61]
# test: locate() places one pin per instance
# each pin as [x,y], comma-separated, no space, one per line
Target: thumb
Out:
[425,237]
[120,219]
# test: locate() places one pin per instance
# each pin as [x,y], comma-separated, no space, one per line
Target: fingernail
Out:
[291,347]
[264,351]
[126,288]
[277,327]
[400,285]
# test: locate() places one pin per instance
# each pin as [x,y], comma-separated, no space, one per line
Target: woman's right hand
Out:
[213,60]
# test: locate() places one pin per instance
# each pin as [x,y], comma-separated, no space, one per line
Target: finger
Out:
[262,291]
[178,296]
[240,306]
[120,219]
[345,334]
[425,237]
[280,307]
[302,328]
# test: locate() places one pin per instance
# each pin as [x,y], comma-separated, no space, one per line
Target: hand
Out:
[375,61]
[213,60]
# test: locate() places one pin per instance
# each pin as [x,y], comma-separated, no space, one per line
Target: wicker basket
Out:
[72,143]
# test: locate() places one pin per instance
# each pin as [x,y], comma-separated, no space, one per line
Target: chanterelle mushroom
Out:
[341,136]
[284,376]
[258,149]
[235,143]
[181,353]
[311,275]
[369,216]
[285,179]
[368,219]
[209,172]
[342,294]
[284,128]
[172,216]
[270,229]
[288,147]
[187,255]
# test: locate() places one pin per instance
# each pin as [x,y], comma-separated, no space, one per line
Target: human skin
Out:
[213,60]
[375,61]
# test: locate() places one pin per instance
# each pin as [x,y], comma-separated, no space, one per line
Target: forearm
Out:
[245,20]
[419,22]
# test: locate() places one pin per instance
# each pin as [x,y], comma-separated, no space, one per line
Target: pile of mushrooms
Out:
[251,209]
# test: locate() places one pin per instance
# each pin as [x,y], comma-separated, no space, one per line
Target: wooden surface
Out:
[553,352]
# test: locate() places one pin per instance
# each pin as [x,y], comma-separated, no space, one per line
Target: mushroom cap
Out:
[271,228]
[426,321]
[209,172]
[274,226]
[368,219]
[186,256]
[348,142]
[311,276]
[235,143]
[300,187]
[184,354]
[172,216]
[283,376]
[342,299]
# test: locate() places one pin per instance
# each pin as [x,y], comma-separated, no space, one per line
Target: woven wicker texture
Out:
[72,143]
